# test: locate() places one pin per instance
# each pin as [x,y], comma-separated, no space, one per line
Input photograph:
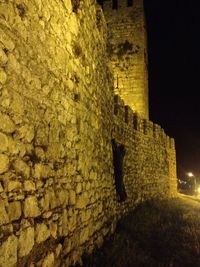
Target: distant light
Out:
[198,190]
[190,174]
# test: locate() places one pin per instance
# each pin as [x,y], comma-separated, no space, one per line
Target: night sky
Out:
[174,75]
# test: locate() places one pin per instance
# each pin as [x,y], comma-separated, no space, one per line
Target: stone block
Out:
[3,76]
[53,227]
[13,63]
[26,132]
[4,163]
[41,171]
[31,208]
[39,152]
[49,260]
[53,200]
[72,197]
[14,185]
[8,252]
[14,210]
[26,241]
[7,228]
[62,197]
[6,41]
[3,214]
[42,233]
[68,5]
[74,26]
[3,142]
[29,186]
[6,125]
[78,188]
[17,105]
[86,215]
[84,235]
[65,223]
[58,250]
[71,223]
[1,188]
[93,175]
[67,246]
[44,202]
[3,57]
[82,201]
[47,214]
[13,146]
[22,168]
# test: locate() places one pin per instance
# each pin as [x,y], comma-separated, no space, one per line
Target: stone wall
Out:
[55,130]
[57,191]
[150,157]
[128,53]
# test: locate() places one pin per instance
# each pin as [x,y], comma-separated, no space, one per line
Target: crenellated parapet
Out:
[124,114]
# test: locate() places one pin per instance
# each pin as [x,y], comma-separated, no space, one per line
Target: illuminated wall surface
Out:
[58,116]
[127,50]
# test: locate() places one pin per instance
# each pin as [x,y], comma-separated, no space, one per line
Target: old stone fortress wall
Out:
[58,120]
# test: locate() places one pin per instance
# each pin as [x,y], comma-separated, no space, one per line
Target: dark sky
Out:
[174,75]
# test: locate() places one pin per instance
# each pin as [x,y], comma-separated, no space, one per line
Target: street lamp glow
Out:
[190,174]
[198,190]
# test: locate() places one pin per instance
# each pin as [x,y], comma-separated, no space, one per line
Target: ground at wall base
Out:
[154,235]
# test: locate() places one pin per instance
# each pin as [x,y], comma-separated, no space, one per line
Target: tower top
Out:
[127,46]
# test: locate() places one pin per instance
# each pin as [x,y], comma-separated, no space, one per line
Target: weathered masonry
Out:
[63,129]
[127,47]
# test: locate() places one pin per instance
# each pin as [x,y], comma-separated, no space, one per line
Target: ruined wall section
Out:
[149,162]
[127,47]
[55,129]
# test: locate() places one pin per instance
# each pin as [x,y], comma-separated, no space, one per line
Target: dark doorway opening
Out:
[129,2]
[118,158]
[100,2]
[114,4]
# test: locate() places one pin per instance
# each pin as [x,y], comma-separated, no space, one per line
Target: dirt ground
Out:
[159,233]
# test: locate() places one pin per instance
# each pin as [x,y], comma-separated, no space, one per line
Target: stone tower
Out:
[127,46]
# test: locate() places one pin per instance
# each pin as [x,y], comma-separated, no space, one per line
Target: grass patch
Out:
[159,233]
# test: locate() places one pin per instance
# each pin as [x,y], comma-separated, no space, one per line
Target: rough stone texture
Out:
[4,163]
[8,252]
[22,168]
[42,232]
[1,188]
[84,235]
[48,261]
[82,201]
[29,186]
[128,53]
[13,185]
[31,208]
[3,142]
[150,161]
[3,214]
[7,124]
[57,118]
[14,210]
[3,76]
[26,241]
[72,197]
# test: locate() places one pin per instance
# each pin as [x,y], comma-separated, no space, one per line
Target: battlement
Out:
[126,115]
[118,4]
